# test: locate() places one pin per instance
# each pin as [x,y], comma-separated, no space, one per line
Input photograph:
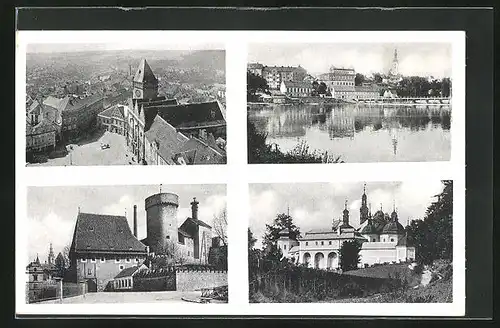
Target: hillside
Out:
[394,271]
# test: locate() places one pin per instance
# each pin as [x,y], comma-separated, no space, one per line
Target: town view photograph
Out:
[124,104]
[126,244]
[349,102]
[359,242]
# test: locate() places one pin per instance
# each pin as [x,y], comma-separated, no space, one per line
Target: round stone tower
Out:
[161,218]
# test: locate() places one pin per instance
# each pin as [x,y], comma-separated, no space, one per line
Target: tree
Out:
[322,88]
[377,77]
[349,255]
[359,79]
[220,225]
[256,83]
[251,240]
[65,254]
[60,265]
[281,222]
[433,236]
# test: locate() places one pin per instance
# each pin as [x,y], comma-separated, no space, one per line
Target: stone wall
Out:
[192,280]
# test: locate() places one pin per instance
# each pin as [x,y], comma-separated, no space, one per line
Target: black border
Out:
[478,24]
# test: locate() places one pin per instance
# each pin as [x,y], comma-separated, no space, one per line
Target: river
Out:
[360,133]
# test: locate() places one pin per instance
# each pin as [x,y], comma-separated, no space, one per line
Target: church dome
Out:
[394,227]
[368,229]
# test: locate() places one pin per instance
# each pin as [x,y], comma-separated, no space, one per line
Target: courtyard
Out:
[128,297]
[88,151]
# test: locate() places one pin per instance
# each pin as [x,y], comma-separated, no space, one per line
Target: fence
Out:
[53,290]
[312,284]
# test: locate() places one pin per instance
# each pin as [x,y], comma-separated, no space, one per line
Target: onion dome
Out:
[284,233]
[369,229]
[394,227]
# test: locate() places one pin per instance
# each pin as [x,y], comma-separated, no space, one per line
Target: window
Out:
[103,260]
[117,260]
[136,260]
[322,243]
[307,243]
[284,246]
[89,271]
[330,242]
[189,253]
[35,277]
[93,260]
[84,260]
[127,260]
[316,243]
[392,239]
[121,266]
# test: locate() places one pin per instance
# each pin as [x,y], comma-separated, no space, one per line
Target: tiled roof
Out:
[152,107]
[104,233]
[75,103]
[200,152]
[292,84]
[127,272]
[183,233]
[393,227]
[43,127]
[166,137]
[144,73]
[198,222]
[114,111]
[186,116]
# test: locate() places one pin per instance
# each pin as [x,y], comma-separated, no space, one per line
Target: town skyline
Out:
[52,211]
[34,48]
[421,59]
[315,205]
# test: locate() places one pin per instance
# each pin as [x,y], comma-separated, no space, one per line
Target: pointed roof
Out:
[144,73]
[104,233]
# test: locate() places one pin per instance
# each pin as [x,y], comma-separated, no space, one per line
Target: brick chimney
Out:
[135,221]
[194,208]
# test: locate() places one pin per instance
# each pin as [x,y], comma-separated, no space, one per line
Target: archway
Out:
[319,260]
[332,260]
[307,259]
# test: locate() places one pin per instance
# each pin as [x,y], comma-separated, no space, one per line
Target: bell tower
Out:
[145,83]
[363,210]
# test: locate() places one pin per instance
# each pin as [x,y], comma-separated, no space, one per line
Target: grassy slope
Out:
[394,271]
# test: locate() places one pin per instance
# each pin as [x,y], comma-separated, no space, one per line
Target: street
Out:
[128,297]
[92,154]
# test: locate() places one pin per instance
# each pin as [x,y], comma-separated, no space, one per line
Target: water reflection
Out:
[361,133]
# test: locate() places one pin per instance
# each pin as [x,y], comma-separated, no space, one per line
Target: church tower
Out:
[51,259]
[145,83]
[363,210]
[395,64]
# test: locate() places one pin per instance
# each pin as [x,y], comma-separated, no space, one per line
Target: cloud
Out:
[50,228]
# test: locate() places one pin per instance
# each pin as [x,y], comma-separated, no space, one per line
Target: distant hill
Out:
[213,59]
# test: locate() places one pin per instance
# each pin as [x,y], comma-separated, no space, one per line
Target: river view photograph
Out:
[349,103]
[359,133]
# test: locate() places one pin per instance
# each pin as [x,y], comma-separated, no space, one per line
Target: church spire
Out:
[345,219]
[51,258]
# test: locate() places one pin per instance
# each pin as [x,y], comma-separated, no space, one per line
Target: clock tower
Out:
[145,83]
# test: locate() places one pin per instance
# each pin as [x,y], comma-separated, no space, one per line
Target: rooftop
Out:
[104,233]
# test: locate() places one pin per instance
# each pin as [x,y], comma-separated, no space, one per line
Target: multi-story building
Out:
[102,246]
[113,119]
[255,68]
[296,89]
[382,237]
[274,75]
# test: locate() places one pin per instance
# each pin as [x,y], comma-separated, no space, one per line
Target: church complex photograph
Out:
[351,242]
[105,104]
[121,244]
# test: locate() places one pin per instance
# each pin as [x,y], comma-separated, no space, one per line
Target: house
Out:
[124,280]
[113,119]
[102,246]
[296,89]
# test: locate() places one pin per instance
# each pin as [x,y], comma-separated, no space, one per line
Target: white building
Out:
[383,241]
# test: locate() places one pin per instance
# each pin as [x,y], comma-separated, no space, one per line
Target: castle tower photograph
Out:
[351,242]
[122,243]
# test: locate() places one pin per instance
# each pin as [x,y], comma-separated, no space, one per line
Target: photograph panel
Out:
[349,102]
[125,103]
[126,244]
[351,242]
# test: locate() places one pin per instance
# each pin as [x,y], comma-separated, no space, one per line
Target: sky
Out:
[315,205]
[52,211]
[422,59]
[78,47]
